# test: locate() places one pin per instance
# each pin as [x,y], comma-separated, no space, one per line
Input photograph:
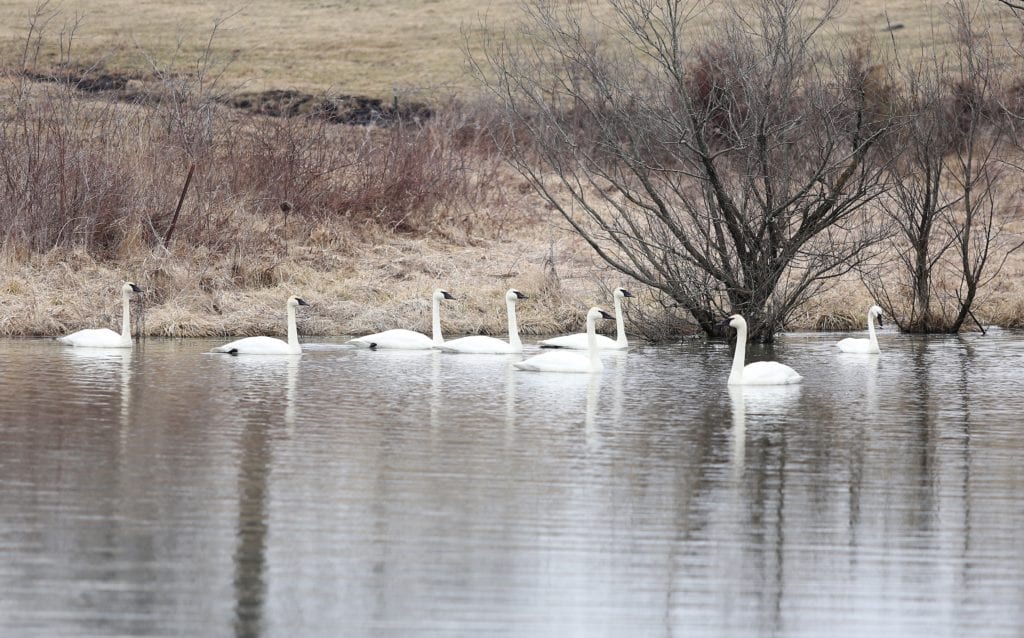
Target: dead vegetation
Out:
[361,205]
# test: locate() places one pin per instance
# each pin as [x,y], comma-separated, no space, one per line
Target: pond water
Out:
[165,491]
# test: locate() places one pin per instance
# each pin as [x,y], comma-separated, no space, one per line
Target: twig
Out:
[1016,6]
[181,200]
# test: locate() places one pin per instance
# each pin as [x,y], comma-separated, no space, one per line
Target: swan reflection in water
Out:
[260,378]
[96,368]
[572,401]
[757,404]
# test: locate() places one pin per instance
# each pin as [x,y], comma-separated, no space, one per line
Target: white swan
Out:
[563,361]
[480,344]
[105,337]
[864,346]
[759,372]
[269,345]
[580,340]
[402,339]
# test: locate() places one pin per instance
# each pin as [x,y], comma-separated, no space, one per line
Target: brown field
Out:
[364,47]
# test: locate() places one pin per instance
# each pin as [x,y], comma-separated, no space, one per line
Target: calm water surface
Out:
[353,493]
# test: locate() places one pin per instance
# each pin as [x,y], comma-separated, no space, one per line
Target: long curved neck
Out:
[513,325]
[592,343]
[620,325]
[435,323]
[293,331]
[871,329]
[126,321]
[738,359]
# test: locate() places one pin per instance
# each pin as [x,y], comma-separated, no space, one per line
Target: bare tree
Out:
[978,223]
[948,188]
[728,172]
[917,199]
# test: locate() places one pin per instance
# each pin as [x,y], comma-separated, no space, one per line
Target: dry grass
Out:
[376,286]
[370,47]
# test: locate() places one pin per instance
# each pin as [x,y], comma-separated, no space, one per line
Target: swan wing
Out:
[857,346]
[769,373]
[397,339]
[557,362]
[94,338]
[479,344]
[256,345]
[578,341]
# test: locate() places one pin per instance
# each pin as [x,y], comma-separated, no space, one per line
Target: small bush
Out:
[97,173]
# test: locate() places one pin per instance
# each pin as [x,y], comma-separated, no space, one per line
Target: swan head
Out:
[130,287]
[442,294]
[733,321]
[622,292]
[296,301]
[876,312]
[596,313]
[514,295]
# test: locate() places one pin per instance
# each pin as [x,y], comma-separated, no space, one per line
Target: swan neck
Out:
[126,321]
[435,322]
[592,343]
[513,325]
[620,325]
[738,359]
[871,330]
[293,331]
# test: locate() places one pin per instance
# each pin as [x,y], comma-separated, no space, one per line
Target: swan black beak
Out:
[626,293]
[880,324]
[301,301]
[520,295]
[135,288]
[605,315]
[724,323]
[447,295]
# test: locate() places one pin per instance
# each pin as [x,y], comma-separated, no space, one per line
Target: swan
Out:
[864,346]
[269,345]
[759,372]
[105,337]
[562,361]
[402,339]
[480,344]
[580,340]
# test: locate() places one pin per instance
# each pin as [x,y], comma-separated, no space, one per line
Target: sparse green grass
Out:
[370,47]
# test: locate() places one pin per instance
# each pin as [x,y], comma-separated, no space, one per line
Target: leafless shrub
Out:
[950,191]
[729,172]
[96,173]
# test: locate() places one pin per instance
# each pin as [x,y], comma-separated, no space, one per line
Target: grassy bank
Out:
[369,286]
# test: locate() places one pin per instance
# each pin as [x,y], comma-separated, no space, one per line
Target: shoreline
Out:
[368,287]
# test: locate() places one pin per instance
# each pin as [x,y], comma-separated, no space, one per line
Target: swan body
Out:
[864,346]
[581,341]
[269,345]
[759,372]
[564,361]
[402,339]
[480,344]
[105,337]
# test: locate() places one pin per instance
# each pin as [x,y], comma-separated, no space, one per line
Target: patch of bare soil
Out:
[142,88]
